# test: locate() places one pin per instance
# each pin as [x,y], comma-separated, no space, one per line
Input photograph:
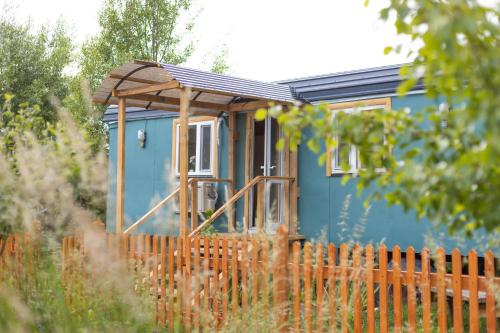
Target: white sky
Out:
[267,39]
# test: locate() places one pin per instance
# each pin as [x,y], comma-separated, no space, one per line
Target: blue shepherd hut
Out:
[186,156]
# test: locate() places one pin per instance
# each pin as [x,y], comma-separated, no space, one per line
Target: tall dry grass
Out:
[58,182]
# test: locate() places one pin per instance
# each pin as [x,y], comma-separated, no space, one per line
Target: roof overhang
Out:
[152,85]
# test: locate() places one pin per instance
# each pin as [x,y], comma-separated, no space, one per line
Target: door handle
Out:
[272,167]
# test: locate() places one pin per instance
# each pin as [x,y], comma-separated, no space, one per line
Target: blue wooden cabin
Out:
[185,152]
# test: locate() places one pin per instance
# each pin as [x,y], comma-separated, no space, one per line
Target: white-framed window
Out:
[346,154]
[201,147]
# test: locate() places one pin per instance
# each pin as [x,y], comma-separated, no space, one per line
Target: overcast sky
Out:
[266,39]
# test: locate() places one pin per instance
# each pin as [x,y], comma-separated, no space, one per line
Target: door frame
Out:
[288,169]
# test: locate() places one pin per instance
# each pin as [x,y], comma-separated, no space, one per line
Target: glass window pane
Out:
[206,139]
[192,148]
[342,154]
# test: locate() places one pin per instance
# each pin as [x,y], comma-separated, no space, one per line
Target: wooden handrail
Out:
[153,210]
[235,197]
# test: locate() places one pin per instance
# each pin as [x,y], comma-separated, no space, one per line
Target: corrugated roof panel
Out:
[226,87]
[214,82]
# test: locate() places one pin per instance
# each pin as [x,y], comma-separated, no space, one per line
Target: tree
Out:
[158,30]
[442,162]
[155,30]
[32,64]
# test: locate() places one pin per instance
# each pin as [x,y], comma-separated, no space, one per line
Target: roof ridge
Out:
[347,72]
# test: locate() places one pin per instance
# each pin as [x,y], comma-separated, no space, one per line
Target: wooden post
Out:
[231,169]
[296,286]
[185,96]
[308,316]
[441,290]
[280,278]
[489,273]
[425,286]
[286,173]
[473,292]
[120,166]
[384,326]
[260,206]
[248,159]
[397,293]
[294,193]
[456,282]
[194,205]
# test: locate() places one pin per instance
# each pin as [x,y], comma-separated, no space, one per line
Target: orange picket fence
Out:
[209,281]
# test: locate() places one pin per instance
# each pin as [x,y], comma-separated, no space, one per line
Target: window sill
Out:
[198,175]
[340,173]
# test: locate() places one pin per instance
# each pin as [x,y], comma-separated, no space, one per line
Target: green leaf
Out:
[387,50]
[321,159]
[280,144]
[8,97]
[260,114]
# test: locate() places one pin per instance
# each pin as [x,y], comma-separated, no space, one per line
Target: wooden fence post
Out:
[426,291]
[456,281]
[296,285]
[280,278]
[396,289]
[356,288]
[411,291]
[370,289]
[319,287]
[382,262]
[344,286]
[489,273]
[441,290]
[473,291]
[332,288]
[308,316]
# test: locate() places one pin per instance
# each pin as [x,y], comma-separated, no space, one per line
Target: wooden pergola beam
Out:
[252,106]
[185,96]
[165,107]
[133,79]
[177,101]
[173,84]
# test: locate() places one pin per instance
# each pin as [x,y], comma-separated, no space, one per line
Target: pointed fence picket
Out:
[206,282]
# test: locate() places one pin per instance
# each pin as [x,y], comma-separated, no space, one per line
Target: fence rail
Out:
[312,288]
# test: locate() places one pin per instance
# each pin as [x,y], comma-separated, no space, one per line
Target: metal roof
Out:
[208,89]
[348,85]
[229,84]
[355,84]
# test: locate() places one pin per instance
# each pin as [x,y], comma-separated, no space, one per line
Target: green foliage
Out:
[87,115]
[49,171]
[36,299]
[32,64]
[209,229]
[18,125]
[220,64]
[442,162]
[156,30]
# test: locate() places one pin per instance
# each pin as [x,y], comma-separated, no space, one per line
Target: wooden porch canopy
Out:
[157,86]
[152,85]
